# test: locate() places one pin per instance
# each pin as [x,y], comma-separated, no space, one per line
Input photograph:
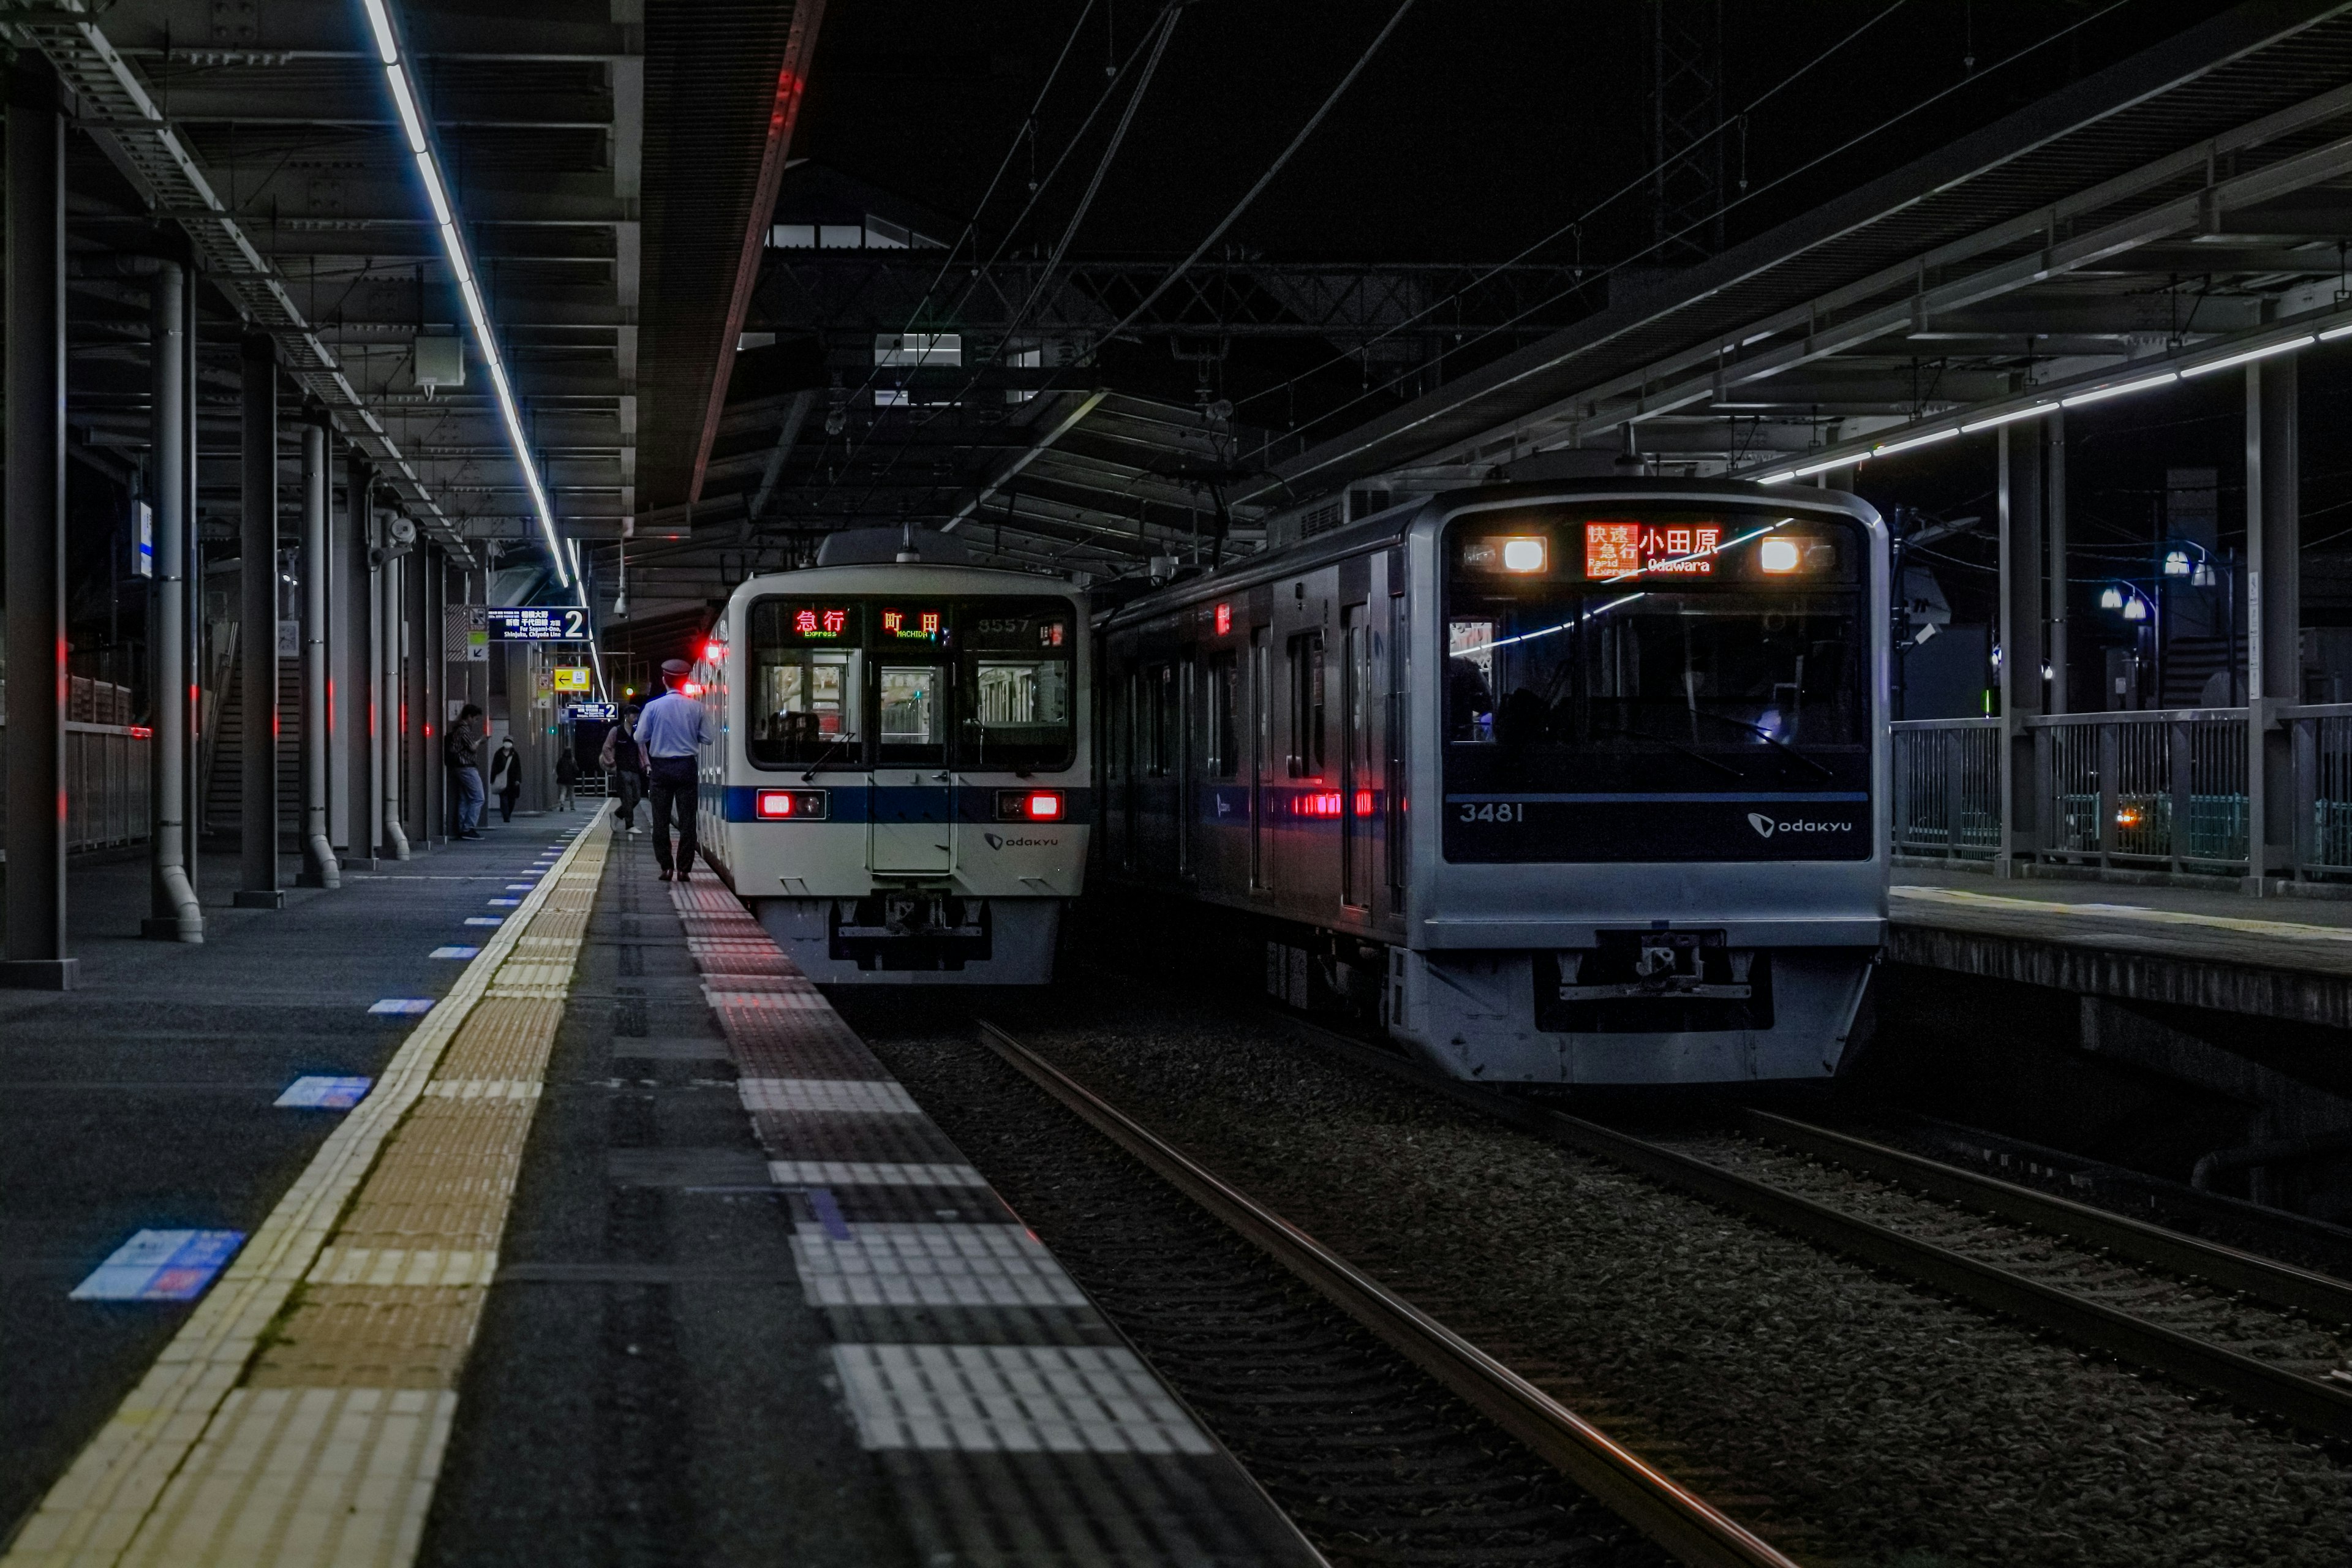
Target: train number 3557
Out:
[1494,811]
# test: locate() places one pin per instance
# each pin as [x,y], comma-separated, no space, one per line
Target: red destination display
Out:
[1634,548]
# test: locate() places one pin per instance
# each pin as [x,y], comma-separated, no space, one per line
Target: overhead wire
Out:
[1614,267]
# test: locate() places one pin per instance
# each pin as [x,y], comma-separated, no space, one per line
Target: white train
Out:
[1559,783]
[899,789]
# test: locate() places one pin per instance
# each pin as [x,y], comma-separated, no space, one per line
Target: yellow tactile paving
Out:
[298,1416]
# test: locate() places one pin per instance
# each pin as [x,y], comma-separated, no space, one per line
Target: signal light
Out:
[1525,554]
[1029,805]
[1777,555]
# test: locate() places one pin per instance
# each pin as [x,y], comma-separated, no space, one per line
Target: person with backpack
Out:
[459,749]
[506,776]
[624,762]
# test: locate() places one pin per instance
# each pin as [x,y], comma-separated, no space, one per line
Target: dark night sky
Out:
[1483,125]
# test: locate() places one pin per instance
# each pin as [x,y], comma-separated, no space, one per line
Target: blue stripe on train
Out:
[902,802]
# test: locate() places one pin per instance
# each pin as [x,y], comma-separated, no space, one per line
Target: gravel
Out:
[1785,1384]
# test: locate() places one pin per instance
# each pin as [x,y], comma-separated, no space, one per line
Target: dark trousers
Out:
[628,787]
[673,786]
[507,798]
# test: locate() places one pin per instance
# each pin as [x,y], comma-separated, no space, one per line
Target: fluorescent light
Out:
[453,244]
[1808,473]
[411,122]
[2012,415]
[439,197]
[2099,394]
[2249,355]
[380,23]
[2332,333]
[1891,447]
[1777,476]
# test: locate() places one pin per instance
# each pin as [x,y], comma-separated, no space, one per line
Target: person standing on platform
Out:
[672,730]
[625,763]
[506,776]
[461,748]
[567,774]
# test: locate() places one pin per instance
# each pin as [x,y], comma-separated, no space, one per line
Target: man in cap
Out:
[671,731]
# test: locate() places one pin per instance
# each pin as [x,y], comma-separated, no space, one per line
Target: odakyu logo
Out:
[997,841]
[1766,827]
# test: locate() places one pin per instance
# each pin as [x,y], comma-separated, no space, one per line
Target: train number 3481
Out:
[1494,811]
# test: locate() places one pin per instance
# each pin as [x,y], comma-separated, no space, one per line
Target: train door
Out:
[910,819]
[1188,763]
[1392,730]
[1357,774]
[1260,720]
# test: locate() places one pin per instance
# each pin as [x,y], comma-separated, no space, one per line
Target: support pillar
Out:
[360,668]
[192,796]
[319,869]
[33,551]
[392,701]
[416,730]
[2056,502]
[432,660]
[2021,641]
[2274,612]
[175,913]
[257,886]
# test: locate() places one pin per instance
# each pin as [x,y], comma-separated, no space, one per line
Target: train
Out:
[1567,783]
[1554,783]
[898,785]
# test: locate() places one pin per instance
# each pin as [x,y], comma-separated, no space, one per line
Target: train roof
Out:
[1385,528]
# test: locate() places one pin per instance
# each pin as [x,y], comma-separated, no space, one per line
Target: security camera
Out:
[403,531]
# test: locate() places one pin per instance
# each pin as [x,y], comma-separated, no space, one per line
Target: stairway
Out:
[2189,663]
[224,789]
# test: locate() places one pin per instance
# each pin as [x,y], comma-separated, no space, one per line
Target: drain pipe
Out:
[177,916]
[318,849]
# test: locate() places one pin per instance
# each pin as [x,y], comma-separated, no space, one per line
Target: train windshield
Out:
[1627,653]
[980,684]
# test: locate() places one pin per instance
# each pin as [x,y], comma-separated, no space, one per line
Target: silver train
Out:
[898,790]
[1557,783]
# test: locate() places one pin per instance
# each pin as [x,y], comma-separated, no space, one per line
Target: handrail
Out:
[2138,716]
[1911,726]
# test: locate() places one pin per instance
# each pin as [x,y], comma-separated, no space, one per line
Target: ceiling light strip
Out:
[453,244]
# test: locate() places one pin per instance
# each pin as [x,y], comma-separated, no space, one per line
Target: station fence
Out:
[110,785]
[2159,790]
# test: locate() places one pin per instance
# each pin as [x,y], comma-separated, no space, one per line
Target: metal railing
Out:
[1947,788]
[109,786]
[2154,790]
[2321,741]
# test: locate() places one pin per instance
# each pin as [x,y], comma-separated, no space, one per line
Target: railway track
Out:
[2267,1335]
[1375,1426]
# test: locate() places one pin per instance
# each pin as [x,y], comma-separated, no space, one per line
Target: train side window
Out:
[1307,749]
[1159,699]
[1470,680]
[1224,715]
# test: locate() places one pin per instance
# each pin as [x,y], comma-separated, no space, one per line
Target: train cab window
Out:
[1015,679]
[802,701]
[1224,715]
[1306,718]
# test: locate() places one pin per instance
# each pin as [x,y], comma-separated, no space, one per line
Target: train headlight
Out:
[789,806]
[1524,554]
[1029,805]
[1778,555]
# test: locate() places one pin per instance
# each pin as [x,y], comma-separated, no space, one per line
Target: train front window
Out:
[909,703]
[1617,654]
[803,691]
[1015,676]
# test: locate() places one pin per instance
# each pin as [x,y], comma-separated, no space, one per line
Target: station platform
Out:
[630,1252]
[2282,958]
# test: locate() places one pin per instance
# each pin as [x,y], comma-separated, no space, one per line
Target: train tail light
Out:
[789,806]
[1029,805]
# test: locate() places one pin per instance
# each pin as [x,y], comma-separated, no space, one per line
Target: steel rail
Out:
[1684,1524]
[2253,1383]
[2264,1279]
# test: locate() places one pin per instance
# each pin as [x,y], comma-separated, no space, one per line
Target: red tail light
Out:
[1029,805]
[789,806]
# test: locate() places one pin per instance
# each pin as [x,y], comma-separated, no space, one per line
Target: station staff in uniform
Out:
[670,730]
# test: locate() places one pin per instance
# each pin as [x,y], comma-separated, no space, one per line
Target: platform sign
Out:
[593,712]
[572,677]
[536,623]
[142,540]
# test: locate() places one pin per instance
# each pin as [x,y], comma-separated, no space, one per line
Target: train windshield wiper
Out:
[1766,736]
[822,758]
[1701,757]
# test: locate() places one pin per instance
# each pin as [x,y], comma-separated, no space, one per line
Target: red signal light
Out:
[1045,806]
[690,689]
[1224,619]
[789,806]
[775,803]
[1029,805]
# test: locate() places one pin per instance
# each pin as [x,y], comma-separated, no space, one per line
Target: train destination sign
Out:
[536,623]
[1628,549]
